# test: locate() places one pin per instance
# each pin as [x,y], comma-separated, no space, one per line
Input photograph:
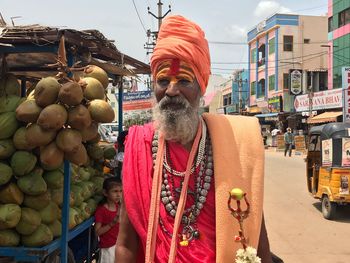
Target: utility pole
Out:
[153,35]
[240,82]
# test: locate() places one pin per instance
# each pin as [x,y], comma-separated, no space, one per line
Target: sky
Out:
[126,21]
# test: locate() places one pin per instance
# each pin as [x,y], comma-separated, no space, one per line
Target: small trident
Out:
[237,194]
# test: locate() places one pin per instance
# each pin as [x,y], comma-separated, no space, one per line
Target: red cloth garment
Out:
[105,216]
[180,38]
[137,183]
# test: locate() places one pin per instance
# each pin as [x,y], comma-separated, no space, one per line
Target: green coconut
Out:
[93,88]
[97,73]
[57,196]
[101,111]
[78,157]
[74,217]
[7,148]
[8,124]
[37,136]
[90,132]
[53,117]
[9,103]
[86,211]
[49,213]
[70,94]
[46,91]
[98,198]
[37,202]
[79,117]
[54,179]
[88,189]
[9,85]
[29,222]
[77,194]
[33,183]
[23,162]
[5,173]
[51,155]
[10,214]
[20,140]
[40,237]
[56,228]
[11,194]
[92,204]
[28,111]
[80,218]
[98,184]
[9,238]
[109,152]
[84,173]
[69,140]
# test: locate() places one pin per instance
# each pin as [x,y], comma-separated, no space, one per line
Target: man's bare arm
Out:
[127,242]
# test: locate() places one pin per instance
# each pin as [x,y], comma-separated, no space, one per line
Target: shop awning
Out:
[263,115]
[330,116]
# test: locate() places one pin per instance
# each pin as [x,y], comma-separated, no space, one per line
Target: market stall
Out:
[42,57]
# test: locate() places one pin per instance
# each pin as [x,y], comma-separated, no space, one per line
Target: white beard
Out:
[176,118]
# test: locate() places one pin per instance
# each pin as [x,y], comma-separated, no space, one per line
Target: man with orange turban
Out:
[179,169]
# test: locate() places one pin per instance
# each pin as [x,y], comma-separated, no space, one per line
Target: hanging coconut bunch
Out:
[58,120]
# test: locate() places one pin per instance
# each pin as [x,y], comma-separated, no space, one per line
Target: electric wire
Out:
[138,15]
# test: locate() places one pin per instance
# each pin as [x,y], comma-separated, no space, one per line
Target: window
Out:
[271,46]
[261,88]
[286,81]
[287,43]
[306,40]
[330,24]
[344,17]
[252,88]
[227,99]
[272,82]
[253,55]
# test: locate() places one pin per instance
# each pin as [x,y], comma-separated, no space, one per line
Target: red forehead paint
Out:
[174,67]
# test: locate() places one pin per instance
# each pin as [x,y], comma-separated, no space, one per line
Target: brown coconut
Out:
[93,88]
[28,111]
[37,136]
[97,73]
[71,94]
[79,117]
[51,155]
[97,139]
[90,132]
[78,157]
[101,111]
[53,117]
[46,91]
[69,140]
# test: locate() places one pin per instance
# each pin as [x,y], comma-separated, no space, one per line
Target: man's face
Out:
[177,93]
[176,78]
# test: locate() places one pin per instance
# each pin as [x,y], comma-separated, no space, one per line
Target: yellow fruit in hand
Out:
[237,193]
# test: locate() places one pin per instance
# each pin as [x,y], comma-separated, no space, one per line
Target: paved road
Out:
[297,231]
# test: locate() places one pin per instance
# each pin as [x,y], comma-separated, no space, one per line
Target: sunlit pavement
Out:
[297,231]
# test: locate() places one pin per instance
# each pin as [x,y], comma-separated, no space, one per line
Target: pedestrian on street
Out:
[171,210]
[288,142]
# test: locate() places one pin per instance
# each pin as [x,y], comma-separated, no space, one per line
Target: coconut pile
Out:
[59,120]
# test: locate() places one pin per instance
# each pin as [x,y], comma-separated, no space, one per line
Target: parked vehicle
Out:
[328,166]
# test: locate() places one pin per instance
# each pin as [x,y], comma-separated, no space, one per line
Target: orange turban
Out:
[182,39]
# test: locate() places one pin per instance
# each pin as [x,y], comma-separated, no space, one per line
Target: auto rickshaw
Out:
[328,165]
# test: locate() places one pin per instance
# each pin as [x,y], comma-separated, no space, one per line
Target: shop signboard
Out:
[327,152]
[345,160]
[295,82]
[328,99]
[274,104]
[346,90]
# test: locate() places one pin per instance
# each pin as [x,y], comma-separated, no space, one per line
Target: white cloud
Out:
[237,32]
[267,8]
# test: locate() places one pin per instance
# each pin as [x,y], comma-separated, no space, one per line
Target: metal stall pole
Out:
[66,197]
[120,105]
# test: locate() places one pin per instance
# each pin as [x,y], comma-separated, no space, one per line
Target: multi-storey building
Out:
[286,58]
[339,40]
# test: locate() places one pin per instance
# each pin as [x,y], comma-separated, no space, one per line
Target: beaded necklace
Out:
[169,194]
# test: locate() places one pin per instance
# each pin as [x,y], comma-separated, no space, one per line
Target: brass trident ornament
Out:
[237,195]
